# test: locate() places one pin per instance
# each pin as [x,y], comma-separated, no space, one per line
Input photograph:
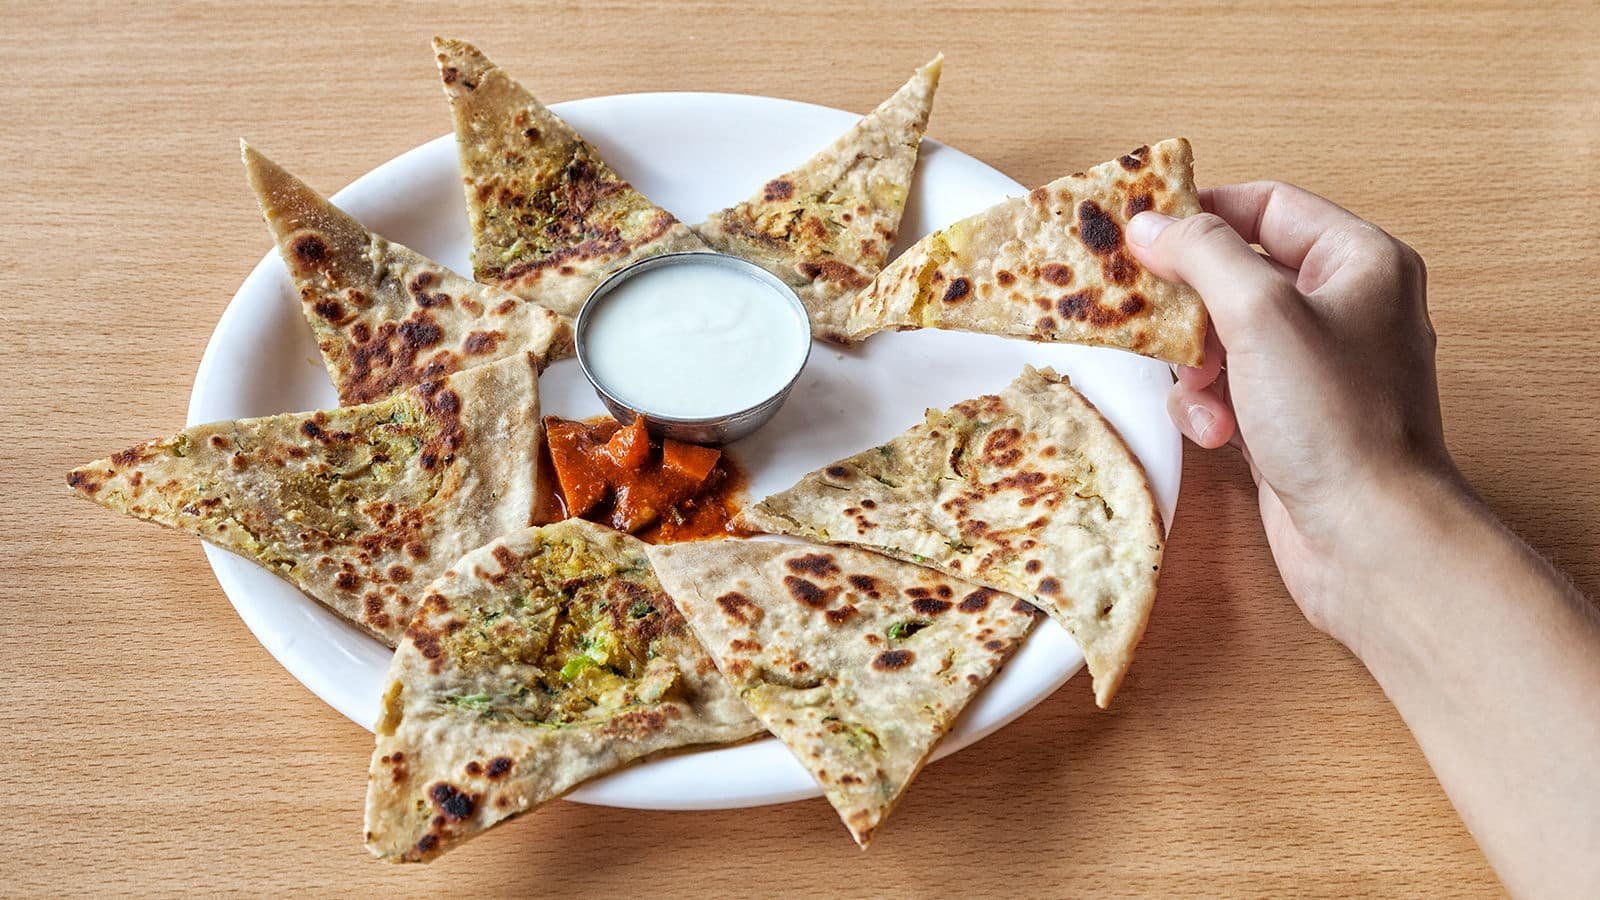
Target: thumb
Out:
[1241,290]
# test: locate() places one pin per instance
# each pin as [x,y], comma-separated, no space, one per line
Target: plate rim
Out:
[223,566]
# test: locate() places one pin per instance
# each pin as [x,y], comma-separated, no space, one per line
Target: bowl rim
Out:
[596,297]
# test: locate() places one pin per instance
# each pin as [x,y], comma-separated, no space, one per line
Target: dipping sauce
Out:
[694,339]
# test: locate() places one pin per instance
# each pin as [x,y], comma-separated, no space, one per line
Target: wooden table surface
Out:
[151,745]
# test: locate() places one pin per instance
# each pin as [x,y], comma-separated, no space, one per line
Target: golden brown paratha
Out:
[826,227]
[537,662]
[1053,266]
[386,317]
[549,217]
[1030,492]
[858,663]
[361,506]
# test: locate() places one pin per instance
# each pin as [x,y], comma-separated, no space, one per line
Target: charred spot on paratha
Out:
[841,615]
[834,271]
[418,288]
[453,803]
[1135,160]
[819,565]
[329,309]
[1084,306]
[978,600]
[638,724]
[866,584]
[739,608]
[1097,230]
[893,660]
[1119,268]
[809,592]
[1057,274]
[480,343]
[309,249]
[420,332]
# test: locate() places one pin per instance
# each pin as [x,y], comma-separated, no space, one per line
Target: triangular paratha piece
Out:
[549,217]
[1030,492]
[386,317]
[827,226]
[361,506]
[1052,266]
[857,662]
[542,660]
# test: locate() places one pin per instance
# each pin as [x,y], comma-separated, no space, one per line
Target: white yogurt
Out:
[694,339]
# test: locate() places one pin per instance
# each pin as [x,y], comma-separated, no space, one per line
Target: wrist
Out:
[1432,543]
[1420,533]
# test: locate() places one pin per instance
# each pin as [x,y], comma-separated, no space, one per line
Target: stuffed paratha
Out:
[549,217]
[1030,492]
[858,663]
[361,506]
[386,317]
[537,662]
[1052,266]
[826,227]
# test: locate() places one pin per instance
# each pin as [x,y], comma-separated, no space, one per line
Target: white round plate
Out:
[693,154]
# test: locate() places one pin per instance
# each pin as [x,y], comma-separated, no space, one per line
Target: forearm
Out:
[1493,660]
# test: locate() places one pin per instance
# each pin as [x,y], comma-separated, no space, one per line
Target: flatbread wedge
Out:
[386,317]
[1053,266]
[1030,491]
[537,662]
[857,662]
[826,227]
[549,217]
[359,507]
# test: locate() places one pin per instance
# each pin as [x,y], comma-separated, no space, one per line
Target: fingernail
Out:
[1144,228]
[1200,420]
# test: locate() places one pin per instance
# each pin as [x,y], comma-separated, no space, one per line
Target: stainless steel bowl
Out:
[720,429]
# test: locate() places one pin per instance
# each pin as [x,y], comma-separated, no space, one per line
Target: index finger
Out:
[1285,220]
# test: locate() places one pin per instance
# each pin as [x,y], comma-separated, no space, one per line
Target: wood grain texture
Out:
[153,747]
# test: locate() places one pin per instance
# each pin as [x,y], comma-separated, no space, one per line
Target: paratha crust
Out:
[360,506]
[543,659]
[549,217]
[826,226]
[388,318]
[1030,491]
[857,662]
[1053,266]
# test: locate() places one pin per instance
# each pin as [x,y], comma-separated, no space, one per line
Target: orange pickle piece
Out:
[664,491]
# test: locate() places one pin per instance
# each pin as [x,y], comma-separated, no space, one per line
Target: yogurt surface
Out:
[694,339]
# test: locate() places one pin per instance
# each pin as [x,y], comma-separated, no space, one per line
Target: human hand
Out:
[1319,368]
